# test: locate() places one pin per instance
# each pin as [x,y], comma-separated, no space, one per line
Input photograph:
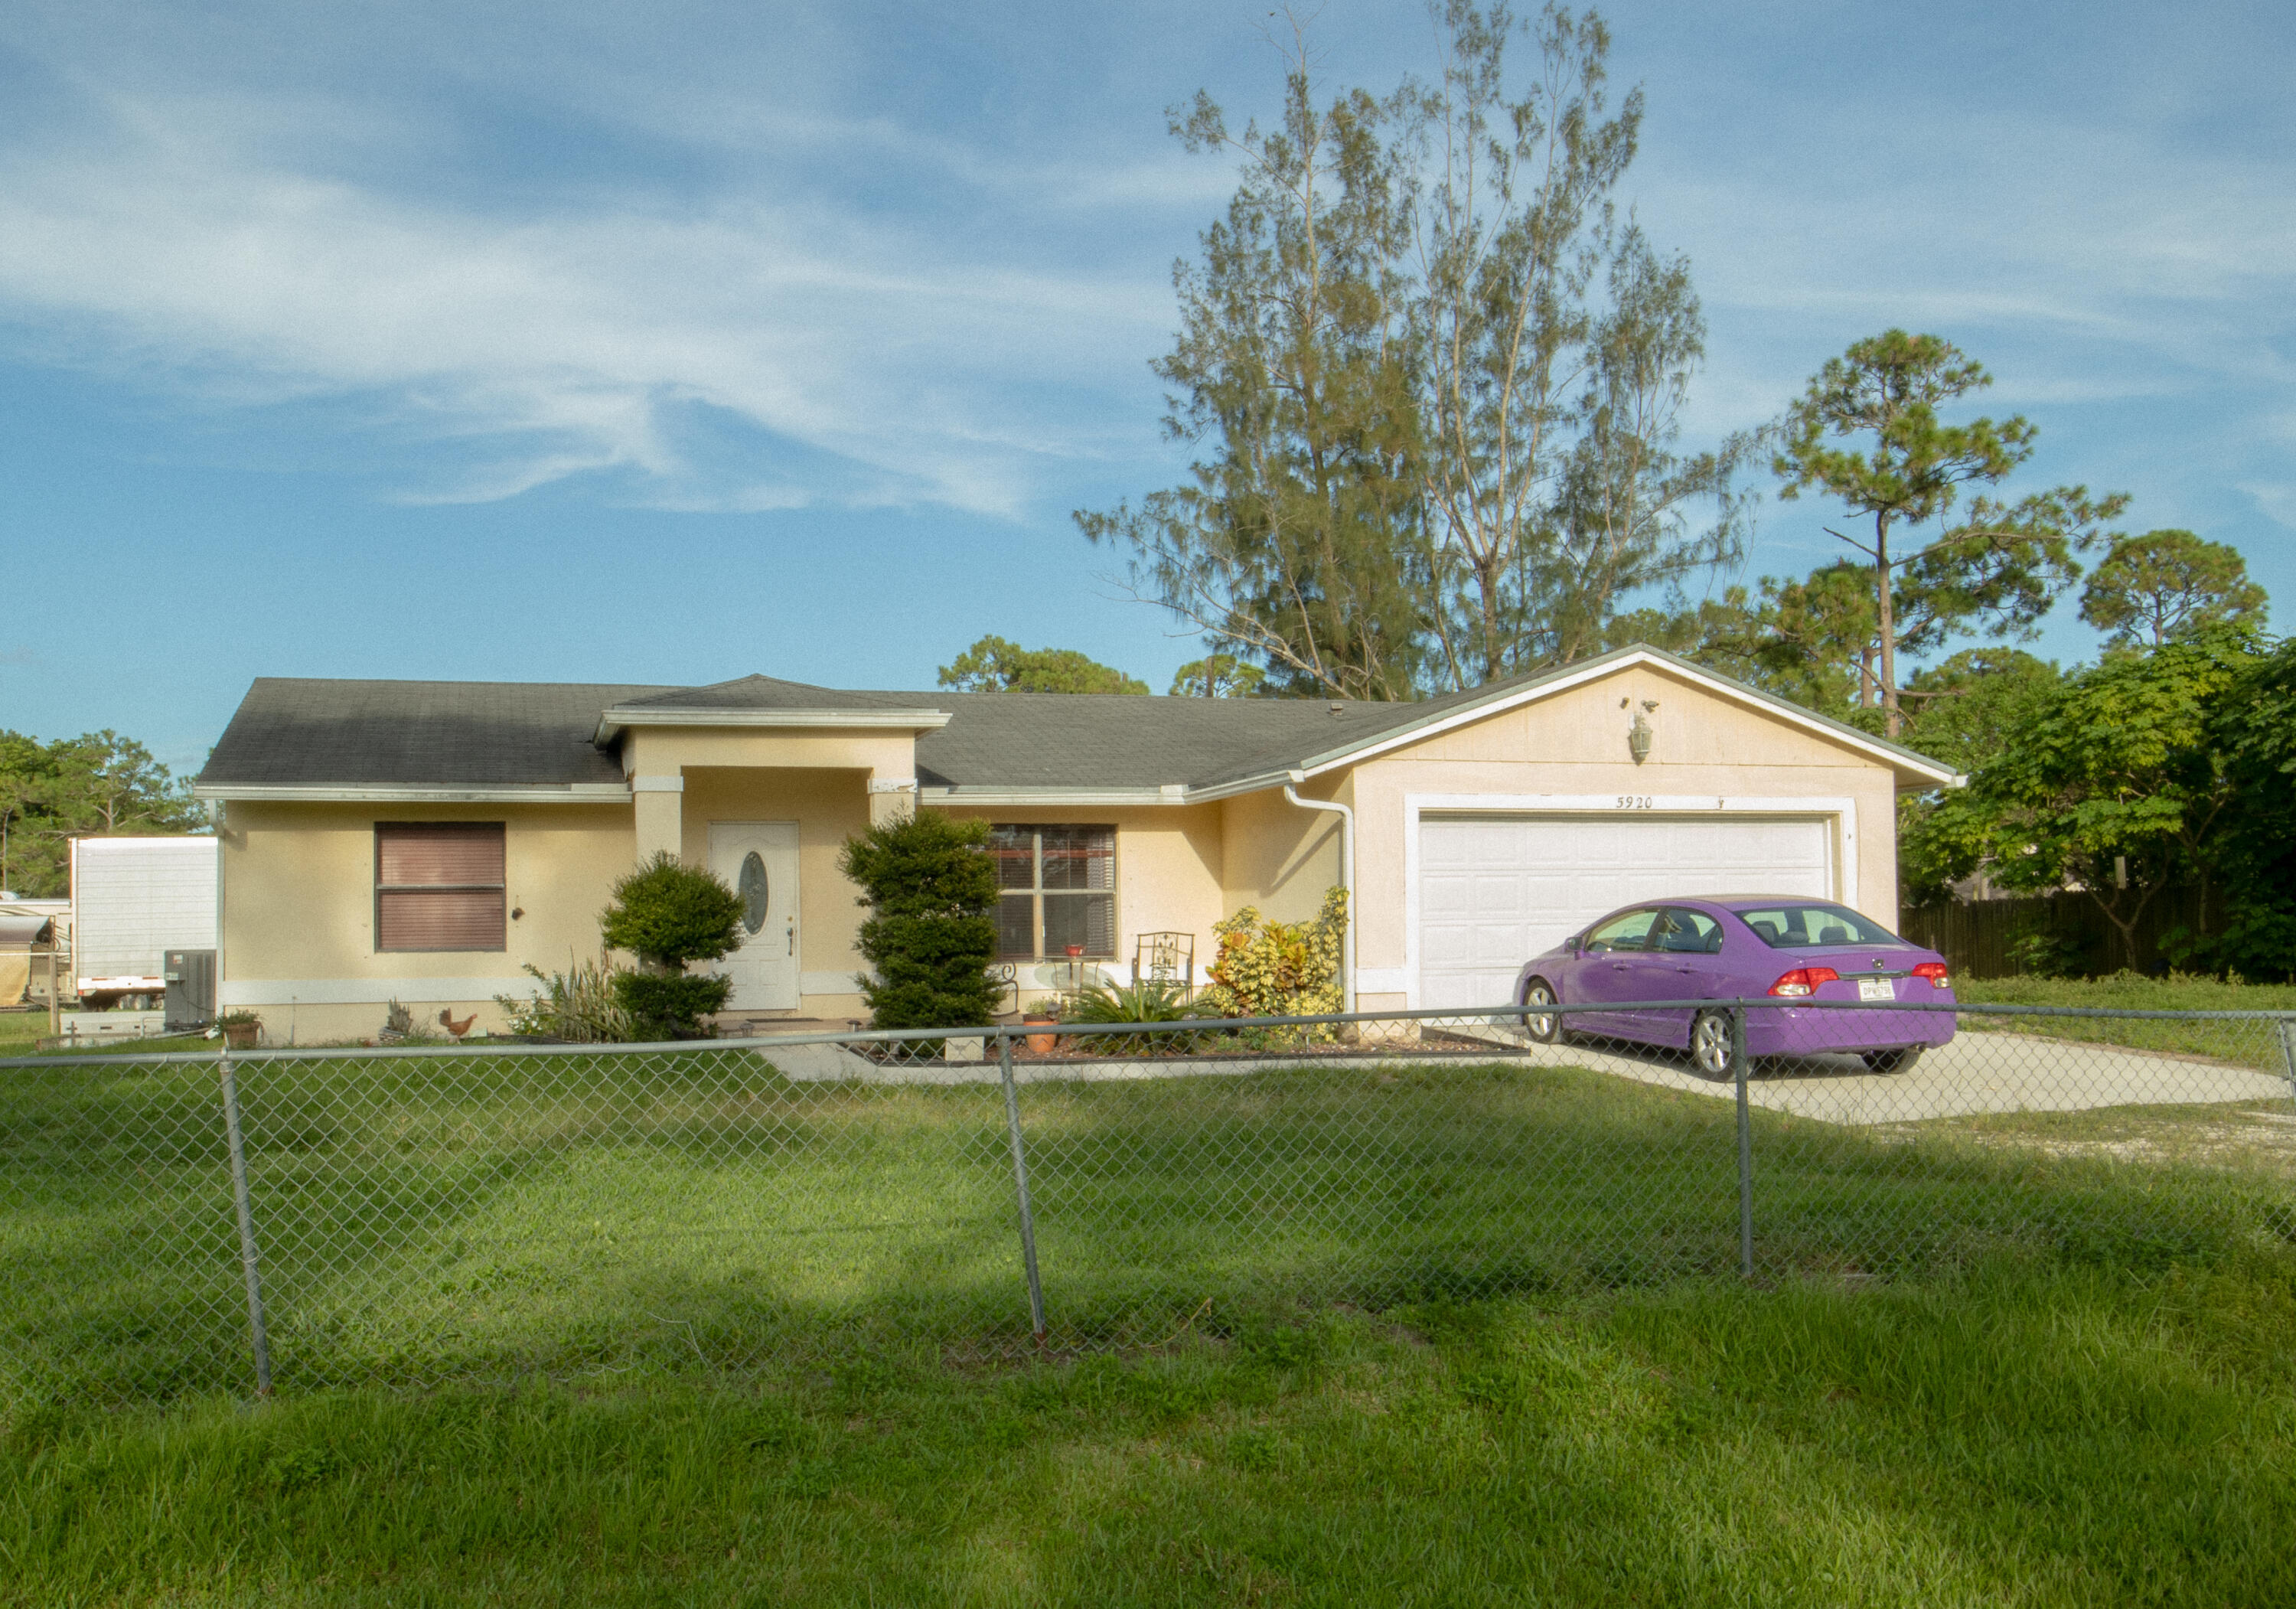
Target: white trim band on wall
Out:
[370,991]
[658,785]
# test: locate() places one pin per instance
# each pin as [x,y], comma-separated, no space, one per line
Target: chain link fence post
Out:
[1021,1187]
[1738,1060]
[2286,1030]
[256,1333]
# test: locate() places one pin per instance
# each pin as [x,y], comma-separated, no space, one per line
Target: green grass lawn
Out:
[2252,1043]
[2020,1433]
[477,1218]
[603,1329]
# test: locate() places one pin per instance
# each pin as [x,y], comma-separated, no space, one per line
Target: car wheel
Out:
[1710,1043]
[1900,1060]
[1541,1028]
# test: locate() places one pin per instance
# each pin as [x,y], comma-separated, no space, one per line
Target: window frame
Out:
[1038,894]
[501,890]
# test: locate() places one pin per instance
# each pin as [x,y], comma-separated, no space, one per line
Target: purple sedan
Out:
[1720,949]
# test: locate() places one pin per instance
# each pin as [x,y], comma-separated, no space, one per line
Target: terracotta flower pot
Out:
[1041,1044]
[241,1036]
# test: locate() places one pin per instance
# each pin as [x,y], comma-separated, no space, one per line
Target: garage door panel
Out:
[1496,891]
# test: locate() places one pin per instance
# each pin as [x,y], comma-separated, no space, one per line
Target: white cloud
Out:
[570,339]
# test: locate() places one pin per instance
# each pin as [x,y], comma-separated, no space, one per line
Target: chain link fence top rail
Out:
[179,1224]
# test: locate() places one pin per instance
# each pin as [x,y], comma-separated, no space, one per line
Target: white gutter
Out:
[1347,880]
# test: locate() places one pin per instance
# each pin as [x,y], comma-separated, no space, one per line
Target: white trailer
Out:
[133,899]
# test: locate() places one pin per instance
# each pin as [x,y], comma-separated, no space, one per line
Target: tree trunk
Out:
[1889,630]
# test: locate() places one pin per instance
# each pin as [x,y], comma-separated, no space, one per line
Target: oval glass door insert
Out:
[751,885]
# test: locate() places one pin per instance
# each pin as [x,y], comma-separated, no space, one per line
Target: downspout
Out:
[1347,880]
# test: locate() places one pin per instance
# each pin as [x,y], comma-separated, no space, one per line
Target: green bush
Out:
[669,1005]
[1280,969]
[933,931]
[668,913]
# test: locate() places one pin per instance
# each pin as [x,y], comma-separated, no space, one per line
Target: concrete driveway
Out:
[1977,1072]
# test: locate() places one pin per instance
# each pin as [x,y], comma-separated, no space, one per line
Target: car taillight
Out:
[1803,981]
[1936,972]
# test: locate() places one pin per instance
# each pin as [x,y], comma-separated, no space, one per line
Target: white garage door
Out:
[1496,891]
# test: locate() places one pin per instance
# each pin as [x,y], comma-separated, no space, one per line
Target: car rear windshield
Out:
[1801,926]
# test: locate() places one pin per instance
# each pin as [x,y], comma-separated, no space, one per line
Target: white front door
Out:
[758,859]
[1495,891]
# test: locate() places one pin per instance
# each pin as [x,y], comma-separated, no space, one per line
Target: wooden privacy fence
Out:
[1984,938]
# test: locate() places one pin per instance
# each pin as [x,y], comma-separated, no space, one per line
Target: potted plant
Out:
[241,1029]
[1044,1016]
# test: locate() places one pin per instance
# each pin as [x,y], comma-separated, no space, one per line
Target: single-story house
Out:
[425,841]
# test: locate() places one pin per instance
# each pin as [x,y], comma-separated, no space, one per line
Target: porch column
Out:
[890,798]
[660,802]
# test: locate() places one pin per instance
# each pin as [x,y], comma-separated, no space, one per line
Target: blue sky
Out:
[587,341]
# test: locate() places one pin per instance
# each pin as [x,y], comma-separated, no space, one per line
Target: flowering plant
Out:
[1279,969]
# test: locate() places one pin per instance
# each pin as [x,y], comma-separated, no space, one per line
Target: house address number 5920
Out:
[1634,802]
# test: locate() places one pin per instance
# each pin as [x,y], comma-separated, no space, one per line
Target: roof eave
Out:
[1061,794]
[612,722]
[444,792]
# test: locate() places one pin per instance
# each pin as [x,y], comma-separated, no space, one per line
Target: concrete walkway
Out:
[1979,1071]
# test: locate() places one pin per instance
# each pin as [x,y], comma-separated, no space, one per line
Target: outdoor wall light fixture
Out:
[1639,737]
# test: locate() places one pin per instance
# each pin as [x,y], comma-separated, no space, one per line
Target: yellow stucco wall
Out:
[665,750]
[297,920]
[1276,855]
[1574,742]
[1168,869]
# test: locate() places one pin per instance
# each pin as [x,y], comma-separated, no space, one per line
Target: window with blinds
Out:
[1059,890]
[439,885]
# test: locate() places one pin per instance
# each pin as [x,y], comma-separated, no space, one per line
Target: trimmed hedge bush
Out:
[668,913]
[933,933]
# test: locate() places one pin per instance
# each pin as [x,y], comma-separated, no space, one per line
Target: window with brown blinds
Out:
[439,885]
[1059,891]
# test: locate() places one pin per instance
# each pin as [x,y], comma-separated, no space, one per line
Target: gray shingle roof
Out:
[289,732]
[318,733]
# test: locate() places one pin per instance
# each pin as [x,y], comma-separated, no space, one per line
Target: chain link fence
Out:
[184,1224]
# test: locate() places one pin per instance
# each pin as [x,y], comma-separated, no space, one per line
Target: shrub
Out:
[1145,1002]
[1280,969]
[669,1005]
[668,913]
[580,1004]
[933,931]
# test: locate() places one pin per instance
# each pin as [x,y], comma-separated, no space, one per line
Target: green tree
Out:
[668,913]
[995,665]
[1559,350]
[1967,711]
[1218,676]
[1435,381]
[2167,584]
[2255,854]
[2000,567]
[2118,781]
[1299,541]
[98,783]
[931,931]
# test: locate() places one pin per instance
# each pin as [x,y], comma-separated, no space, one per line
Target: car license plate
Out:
[1876,989]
